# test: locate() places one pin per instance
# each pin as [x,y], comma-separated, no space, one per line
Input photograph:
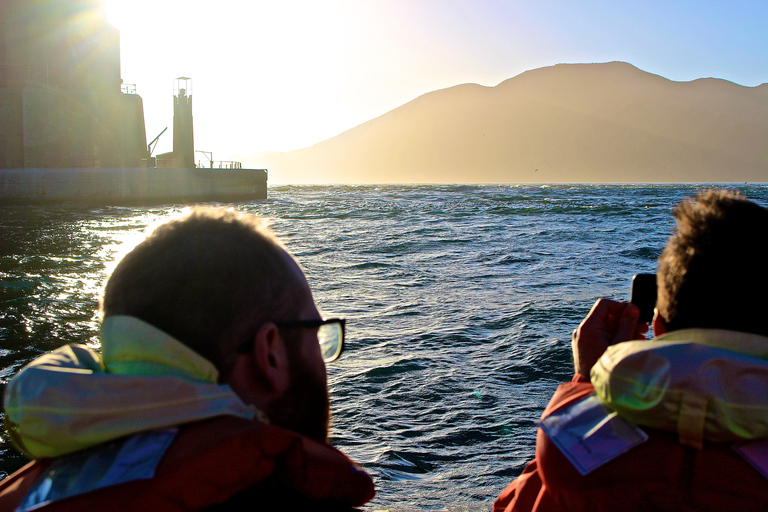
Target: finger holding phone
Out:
[610,322]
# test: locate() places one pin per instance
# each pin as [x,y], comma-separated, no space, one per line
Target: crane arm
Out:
[151,145]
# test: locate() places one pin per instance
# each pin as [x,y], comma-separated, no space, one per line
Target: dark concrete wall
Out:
[134,134]
[49,128]
[11,129]
[58,129]
[58,43]
[60,100]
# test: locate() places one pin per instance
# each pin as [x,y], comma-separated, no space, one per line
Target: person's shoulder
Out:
[273,465]
[218,461]
[568,393]
[657,474]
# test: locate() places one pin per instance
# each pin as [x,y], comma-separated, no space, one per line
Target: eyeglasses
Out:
[330,334]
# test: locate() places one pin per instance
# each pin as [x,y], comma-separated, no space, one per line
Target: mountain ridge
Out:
[608,122]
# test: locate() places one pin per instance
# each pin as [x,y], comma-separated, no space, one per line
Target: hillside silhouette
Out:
[606,122]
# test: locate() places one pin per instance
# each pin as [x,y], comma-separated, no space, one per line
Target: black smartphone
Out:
[644,295]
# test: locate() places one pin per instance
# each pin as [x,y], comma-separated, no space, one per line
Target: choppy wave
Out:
[460,303]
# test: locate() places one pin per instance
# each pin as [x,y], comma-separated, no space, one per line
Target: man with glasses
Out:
[210,389]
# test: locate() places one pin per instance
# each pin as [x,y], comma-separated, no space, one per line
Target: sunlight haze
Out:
[279,76]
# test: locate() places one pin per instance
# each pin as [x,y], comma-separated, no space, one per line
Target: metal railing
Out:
[220,164]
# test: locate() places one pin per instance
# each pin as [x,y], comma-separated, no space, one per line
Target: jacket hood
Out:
[702,383]
[73,398]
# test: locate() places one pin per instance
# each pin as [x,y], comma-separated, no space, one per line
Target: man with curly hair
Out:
[679,422]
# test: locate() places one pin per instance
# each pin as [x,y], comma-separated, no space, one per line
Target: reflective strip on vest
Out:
[133,458]
[589,434]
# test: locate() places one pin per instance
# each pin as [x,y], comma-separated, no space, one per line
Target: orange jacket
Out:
[660,474]
[227,460]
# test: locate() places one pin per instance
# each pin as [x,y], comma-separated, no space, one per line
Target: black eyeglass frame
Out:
[247,345]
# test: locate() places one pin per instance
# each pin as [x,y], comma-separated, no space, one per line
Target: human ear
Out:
[270,358]
[659,325]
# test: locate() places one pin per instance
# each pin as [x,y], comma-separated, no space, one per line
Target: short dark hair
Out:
[208,279]
[712,273]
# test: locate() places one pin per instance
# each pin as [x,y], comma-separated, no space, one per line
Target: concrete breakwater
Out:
[131,186]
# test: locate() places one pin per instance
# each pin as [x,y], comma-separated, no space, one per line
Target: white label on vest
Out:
[134,458]
[589,434]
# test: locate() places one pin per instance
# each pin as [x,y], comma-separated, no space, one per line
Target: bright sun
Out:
[274,50]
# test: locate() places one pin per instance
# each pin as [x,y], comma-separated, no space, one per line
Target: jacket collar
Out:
[742,342]
[133,347]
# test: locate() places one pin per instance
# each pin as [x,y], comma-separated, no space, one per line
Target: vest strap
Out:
[690,423]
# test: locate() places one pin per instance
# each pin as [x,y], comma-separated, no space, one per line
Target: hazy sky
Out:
[279,75]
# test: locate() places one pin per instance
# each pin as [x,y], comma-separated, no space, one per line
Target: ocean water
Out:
[460,303]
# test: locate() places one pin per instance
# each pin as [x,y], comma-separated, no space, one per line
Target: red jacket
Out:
[230,461]
[660,474]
